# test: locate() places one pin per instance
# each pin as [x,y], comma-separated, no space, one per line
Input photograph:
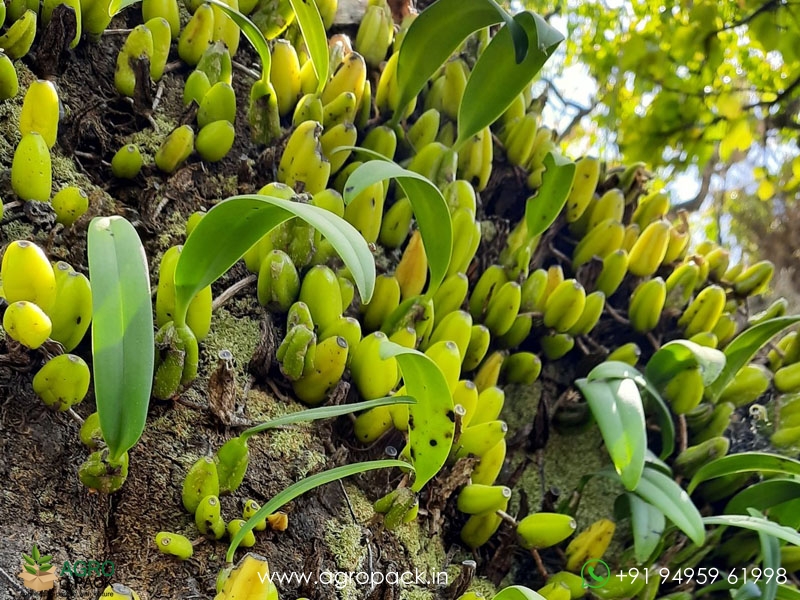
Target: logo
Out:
[37,572]
[595,573]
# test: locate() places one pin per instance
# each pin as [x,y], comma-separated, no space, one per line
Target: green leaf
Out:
[647,523]
[662,492]
[743,347]
[229,229]
[303,486]
[29,559]
[745,462]
[431,425]
[497,78]
[122,331]
[770,559]
[748,591]
[314,35]
[613,369]
[31,570]
[764,495]
[253,34]
[678,355]
[430,210]
[542,208]
[517,592]
[435,35]
[787,513]
[35,553]
[617,407]
[785,592]
[787,534]
[117,6]
[325,412]
[45,559]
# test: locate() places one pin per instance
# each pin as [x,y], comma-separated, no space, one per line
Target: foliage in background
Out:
[709,90]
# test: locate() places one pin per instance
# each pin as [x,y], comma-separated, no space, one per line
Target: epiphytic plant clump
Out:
[593,276]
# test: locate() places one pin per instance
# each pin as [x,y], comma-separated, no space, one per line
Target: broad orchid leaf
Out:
[542,208]
[743,347]
[431,418]
[229,229]
[745,462]
[123,347]
[429,206]
[617,407]
[435,35]
[497,78]
[674,357]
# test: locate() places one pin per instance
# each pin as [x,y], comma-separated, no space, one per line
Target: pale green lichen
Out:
[482,586]
[425,552]
[240,335]
[294,444]
[344,542]
[362,507]
[21,230]
[66,174]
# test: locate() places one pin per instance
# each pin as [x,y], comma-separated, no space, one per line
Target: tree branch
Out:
[705,184]
[767,6]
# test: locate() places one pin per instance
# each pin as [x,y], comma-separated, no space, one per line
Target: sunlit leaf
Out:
[435,35]
[617,407]
[497,79]
[314,36]
[612,369]
[517,592]
[431,426]
[252,33]
[787,534]
[325,412]
[676,356]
